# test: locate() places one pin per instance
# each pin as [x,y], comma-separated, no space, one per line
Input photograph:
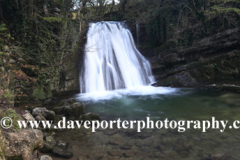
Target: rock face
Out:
[70,108]
[49,115]
[210,59]
[23,143]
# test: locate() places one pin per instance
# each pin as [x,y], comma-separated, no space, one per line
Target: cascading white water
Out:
[112,60]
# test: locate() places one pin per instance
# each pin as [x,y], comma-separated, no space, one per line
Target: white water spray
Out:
[112,60]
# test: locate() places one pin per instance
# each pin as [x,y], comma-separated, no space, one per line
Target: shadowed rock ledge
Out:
[210,60]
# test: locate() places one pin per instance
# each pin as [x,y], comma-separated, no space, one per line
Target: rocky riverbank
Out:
[211,60]
[28,143]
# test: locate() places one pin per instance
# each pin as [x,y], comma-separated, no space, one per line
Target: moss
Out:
[9,95]
[14,116]
[39,94]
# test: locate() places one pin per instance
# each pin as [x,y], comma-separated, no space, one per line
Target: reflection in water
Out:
[182,104]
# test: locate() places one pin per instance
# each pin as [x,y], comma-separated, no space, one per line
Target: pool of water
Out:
[158,104]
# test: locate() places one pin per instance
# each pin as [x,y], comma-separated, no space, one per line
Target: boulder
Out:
[67,101]
[22,143]
[45,157]
[28,117]
[51,140]
[71,109]
[89,116]
[49,115]
[62,150]
[40,118]
[47,148]
[48,102]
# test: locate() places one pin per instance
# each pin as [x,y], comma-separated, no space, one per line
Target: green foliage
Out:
[9,95]
[49,94]
[223,10]
[39,93]
[3,27]
[3,35]
[52,19]
[46,37]
[11,113]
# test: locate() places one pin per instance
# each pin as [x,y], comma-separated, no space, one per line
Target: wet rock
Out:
[71,109]
[28,117]
[51,140]
[47,148]
[62,150]
[49,115]
[67,101]
[115,153]
[45,157]
[46,134]
[182,79]
[22,143]
[48,102]
[231,87]
[40,117]
[89,116]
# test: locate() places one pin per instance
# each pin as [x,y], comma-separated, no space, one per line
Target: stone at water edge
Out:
[51,140]
[62,150]
[45,157]
[48,114]
[40,118]
[75,109]
[89,116]
[47,148]
[67,101]
[48,102]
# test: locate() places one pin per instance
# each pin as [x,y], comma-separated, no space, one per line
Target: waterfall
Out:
[111,60]
[137,30]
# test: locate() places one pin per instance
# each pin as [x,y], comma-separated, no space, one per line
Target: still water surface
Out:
[158,104]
